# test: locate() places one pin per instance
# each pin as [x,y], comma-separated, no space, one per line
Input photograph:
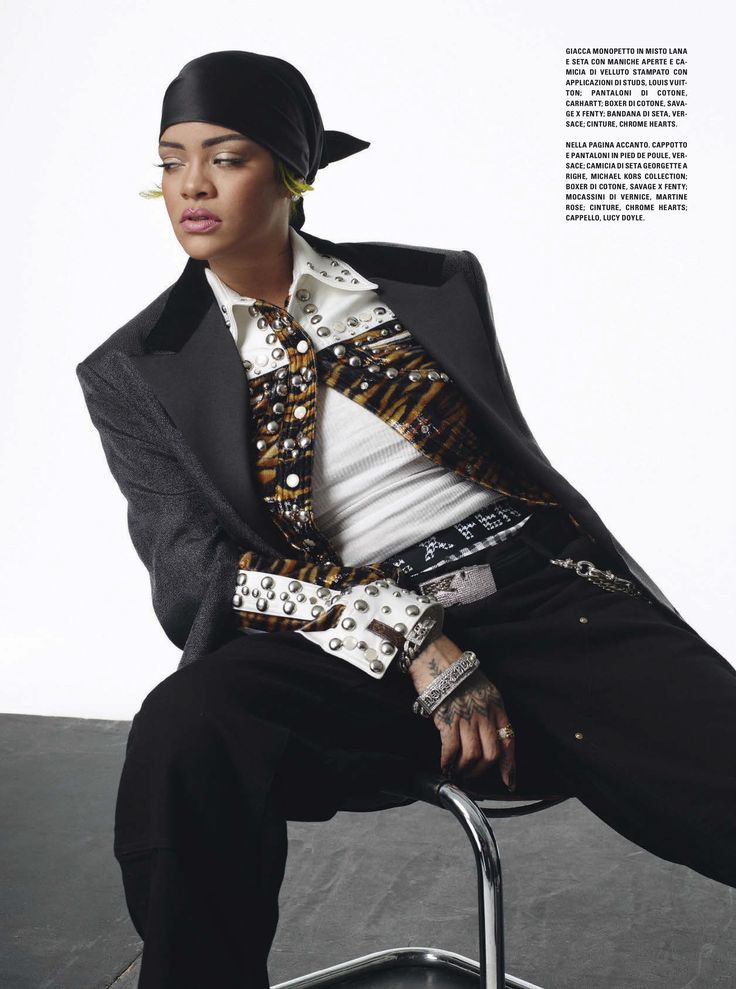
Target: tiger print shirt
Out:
[368,355]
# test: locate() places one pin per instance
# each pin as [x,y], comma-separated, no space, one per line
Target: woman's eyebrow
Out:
[206,143]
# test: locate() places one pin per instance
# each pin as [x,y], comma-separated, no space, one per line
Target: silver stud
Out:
[339,350]
[261,324]
[241,579]
[433,375]
[253,310]
[277,323]
[364,385]
[348,623]
[237,600]
[281,373]
[309,308]
[302,346]
[277,353]
[385,609]
[272,338]
[376,666]
[400,627]
[267,581]
[300,411]
[294,586]
[387,648]
[411,609]
[355,361]
[445,377]
[282,389]
[289,607]
[303,514]
[415,376]
[302,294]
[316,610]
[272,427]
[304,442]
[361,605]
[352,321]
[323,331]
[262,604]
[278,408]
[391,372]
[288,444]
[315,319]
[335,643]
[261,445]
[370,590]
[292,480]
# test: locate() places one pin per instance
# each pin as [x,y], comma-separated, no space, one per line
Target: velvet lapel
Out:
[192,363]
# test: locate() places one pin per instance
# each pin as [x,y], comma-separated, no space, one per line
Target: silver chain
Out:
[606,579]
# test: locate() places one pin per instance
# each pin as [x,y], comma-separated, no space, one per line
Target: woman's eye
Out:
[168,165]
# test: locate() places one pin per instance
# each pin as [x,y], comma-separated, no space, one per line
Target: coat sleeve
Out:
[191,561]
[483,298]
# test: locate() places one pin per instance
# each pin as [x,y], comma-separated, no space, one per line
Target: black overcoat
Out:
[169,398]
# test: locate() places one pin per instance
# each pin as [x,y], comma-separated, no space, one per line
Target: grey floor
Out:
[585,908]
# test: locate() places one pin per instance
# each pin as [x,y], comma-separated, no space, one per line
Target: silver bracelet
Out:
[425,631]
[443,685]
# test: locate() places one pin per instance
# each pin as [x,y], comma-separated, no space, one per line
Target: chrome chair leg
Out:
[490,900]
[490,970]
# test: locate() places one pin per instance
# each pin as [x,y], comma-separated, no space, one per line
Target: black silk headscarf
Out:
[265,98]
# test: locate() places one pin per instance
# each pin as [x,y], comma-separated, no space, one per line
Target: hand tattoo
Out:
[475,696]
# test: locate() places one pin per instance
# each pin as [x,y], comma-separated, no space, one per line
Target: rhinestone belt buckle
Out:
[462,586]
[606,579]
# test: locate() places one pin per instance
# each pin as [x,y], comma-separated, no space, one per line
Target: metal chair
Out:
[408,786]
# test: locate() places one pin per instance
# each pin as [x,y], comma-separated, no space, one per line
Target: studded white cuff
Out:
[372,624]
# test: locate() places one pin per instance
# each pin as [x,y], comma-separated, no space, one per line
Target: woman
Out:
[348,523]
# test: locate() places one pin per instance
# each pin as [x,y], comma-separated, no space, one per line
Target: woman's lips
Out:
[200,226]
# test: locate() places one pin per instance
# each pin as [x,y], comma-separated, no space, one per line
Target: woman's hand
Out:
[468,719]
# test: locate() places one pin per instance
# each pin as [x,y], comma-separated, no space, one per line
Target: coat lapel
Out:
[192,363]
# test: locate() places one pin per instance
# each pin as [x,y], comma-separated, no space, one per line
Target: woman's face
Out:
[231,177]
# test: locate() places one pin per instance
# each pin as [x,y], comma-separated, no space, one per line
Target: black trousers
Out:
[629,710]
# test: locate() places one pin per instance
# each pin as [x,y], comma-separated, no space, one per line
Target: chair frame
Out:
[490,969]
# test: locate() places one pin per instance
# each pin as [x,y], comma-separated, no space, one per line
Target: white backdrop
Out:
[618,338]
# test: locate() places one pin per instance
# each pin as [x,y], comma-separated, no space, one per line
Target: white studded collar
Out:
[308,263]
